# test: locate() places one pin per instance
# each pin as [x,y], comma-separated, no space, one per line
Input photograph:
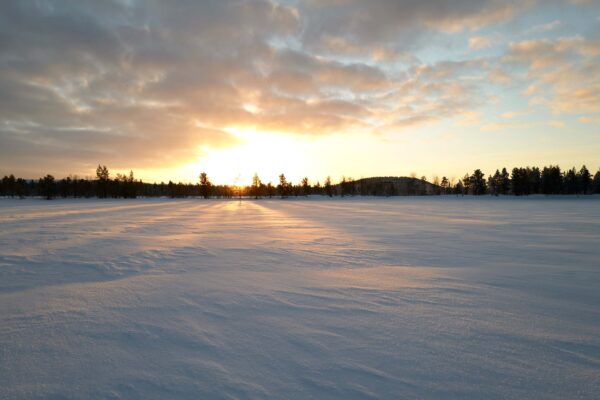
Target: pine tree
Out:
[504,185]
[328,189]
[205,185]
[445,185]
[494,183]
[8,184]
[552,180]
[596,182]
[316,189]
[571,182]
[347,186]
[256,186]
[478,184]
[466,184]
[103,179]
[131,186]
[459,188]
[305,186]
[585,180]
[282,188]
[517,180]
[21,188]
[436,188]
[47,187]
[535,180]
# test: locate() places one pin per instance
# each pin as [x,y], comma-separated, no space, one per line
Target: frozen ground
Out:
[402,298]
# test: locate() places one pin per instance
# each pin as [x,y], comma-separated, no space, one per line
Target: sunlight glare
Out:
[259,152]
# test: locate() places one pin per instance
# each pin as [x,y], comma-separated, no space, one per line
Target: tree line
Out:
[526,181]
[519,182]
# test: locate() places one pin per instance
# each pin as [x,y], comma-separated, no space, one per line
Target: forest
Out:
[550,180]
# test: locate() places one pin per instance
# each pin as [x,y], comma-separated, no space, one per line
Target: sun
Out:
[267,154]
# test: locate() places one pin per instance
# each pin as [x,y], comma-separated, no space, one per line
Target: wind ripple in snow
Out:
[443,298]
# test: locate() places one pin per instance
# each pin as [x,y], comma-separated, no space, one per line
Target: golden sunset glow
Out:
[258,152]
[304,88]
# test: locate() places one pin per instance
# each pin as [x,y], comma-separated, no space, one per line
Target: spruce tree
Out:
[535,180]
[445,185]
[305,186]
[328,188]
[466,184]
[256,186]
[571,181]
[552,180]
[205,185]
[47,187]
[596,182]
[478,184]
[585,180]
[103,178]
[504,184]
[282,188]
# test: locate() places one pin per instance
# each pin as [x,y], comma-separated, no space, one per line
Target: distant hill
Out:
[387,186]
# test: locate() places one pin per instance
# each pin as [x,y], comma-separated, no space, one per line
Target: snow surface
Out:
[399,298]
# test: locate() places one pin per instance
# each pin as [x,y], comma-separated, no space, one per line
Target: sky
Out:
[307,88]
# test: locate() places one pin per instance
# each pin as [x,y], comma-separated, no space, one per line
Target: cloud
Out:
[469,118]
[543,53]
[149,84]
[498,75]
[346,26]
[479,42]
[521,125]
[567,67]
[590,120]
[531,90]
[514,114]
[550,26]
[123,82]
